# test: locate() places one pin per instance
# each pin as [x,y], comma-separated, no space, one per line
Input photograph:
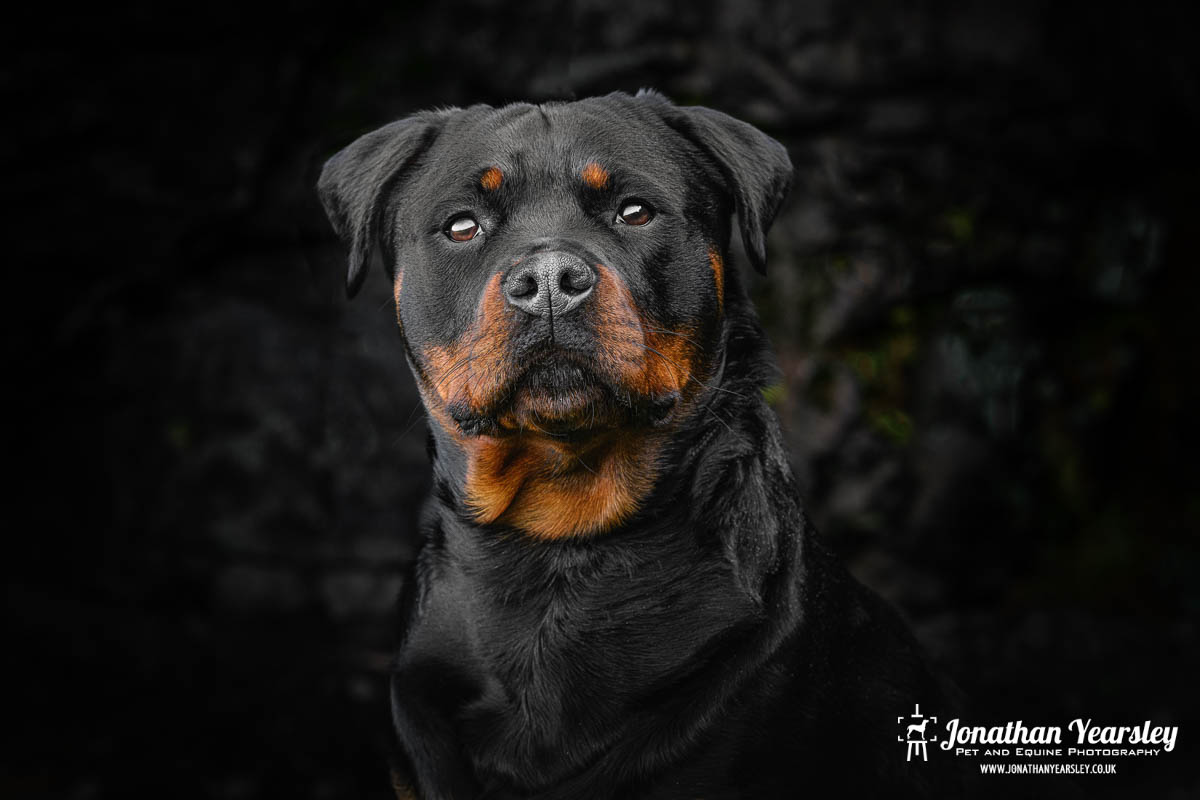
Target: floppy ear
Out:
[355,182]
[755,167]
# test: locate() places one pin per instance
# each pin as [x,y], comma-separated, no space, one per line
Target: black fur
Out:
[708,647]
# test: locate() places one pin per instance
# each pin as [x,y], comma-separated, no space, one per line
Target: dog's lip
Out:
[559,392]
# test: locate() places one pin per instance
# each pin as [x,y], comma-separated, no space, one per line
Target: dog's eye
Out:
[635,212]
[462,229]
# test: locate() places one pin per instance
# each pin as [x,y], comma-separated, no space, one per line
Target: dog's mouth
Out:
[562,394]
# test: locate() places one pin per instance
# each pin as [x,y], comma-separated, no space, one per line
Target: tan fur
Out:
[718,268]
[595,175]
[491,179]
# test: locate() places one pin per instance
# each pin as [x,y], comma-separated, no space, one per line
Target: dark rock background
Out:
[982,295]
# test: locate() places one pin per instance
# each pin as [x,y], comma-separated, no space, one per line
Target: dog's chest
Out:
[565,666]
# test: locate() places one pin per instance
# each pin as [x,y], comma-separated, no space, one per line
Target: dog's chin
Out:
[571,412]
[564,398]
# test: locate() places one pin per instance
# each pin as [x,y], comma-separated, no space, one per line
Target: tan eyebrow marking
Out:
[595,175]
[491,179]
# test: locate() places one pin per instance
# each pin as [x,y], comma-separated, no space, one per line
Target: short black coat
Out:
[705,645]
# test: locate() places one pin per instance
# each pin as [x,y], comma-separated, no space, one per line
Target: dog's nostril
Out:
[523,286]
[575,281]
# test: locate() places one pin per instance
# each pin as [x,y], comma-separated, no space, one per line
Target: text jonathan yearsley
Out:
[1084,730]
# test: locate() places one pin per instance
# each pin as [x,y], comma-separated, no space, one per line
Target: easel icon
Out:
[918,744]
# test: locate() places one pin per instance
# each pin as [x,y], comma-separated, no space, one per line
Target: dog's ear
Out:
[756,168]
[355,183]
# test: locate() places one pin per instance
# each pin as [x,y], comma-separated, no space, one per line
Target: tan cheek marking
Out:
[671,368]
[443,368]
[618,333]
[491,179]
[595,175]
[718,268]
[489,347]
[473,368]
[645,357]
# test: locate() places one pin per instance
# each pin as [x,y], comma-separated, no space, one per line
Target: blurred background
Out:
[981,293]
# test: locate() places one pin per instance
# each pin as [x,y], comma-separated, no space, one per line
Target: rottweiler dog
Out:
[618,594]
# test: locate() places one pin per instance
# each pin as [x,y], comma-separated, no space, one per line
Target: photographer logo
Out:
[914,733]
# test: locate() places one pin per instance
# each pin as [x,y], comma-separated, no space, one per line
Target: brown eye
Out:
[462,229]
[635,212]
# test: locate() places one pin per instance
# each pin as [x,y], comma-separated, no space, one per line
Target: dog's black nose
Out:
[551,283]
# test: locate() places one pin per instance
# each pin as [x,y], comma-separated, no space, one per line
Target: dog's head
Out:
[559,274]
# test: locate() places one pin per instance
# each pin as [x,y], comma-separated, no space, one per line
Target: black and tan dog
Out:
[618,595]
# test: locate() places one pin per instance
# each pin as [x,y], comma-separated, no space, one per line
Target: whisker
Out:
[707,406]
[585,466]
[689,374]
[716,388]
[409,421]
[495,345]
[718,418]
[546,432]
[673,333]
[465,361]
